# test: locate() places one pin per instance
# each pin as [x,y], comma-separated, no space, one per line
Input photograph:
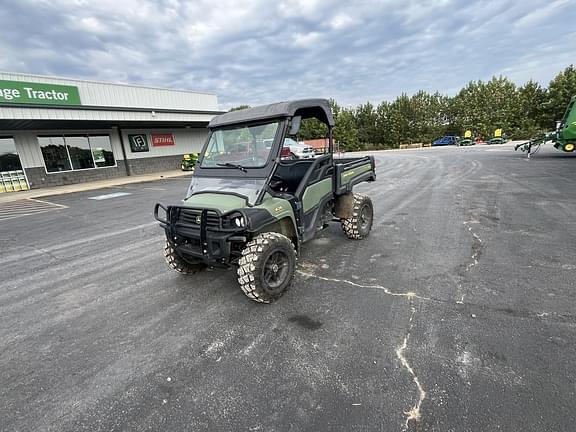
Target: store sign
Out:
[138,143]
[159,140]
[19,92]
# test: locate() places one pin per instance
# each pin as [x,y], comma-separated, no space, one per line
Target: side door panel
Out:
[315,193]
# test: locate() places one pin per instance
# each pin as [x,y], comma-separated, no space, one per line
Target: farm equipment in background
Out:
[564,137]
[498,137]
[189,161]
[467,140]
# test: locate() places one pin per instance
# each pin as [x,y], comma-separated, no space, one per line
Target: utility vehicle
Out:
[249,208]
[498,137]
[189,161]
[564,137]
[467,140]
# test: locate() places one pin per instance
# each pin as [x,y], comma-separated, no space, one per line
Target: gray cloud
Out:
[256,51]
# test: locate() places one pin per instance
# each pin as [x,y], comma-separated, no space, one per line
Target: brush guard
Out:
[201,234]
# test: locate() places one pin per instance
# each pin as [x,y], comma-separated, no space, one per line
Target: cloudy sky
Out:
[260,51]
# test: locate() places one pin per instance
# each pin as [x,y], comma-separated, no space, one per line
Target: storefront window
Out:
[79,151]
[102,150]
[76,152]
[9,160]
[55,154]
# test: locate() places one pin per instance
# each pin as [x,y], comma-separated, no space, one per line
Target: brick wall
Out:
[155,164]
[37,177]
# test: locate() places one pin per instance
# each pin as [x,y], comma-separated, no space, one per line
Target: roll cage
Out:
[289,115]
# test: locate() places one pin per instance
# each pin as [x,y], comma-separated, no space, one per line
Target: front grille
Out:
[192,217]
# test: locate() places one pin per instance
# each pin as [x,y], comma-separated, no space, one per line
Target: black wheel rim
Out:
[365,217]
[276,271]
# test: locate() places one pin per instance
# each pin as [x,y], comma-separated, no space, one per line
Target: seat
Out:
[289,174]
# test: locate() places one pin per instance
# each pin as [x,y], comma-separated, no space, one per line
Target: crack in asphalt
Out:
[476,250]
[414,412]
[477,247]
[409,295]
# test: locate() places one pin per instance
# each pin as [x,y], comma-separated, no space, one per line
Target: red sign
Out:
[159,140]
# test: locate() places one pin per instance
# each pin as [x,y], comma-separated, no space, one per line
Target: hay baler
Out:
[564,137]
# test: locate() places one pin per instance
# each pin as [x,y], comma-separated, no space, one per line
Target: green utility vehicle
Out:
[564,137]
[189,161]
[249,208]
[498,137]
[467,140]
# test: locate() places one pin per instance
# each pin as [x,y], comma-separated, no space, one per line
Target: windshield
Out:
[241,146]
[247,187]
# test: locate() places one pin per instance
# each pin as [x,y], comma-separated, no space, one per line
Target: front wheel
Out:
[266,267]
[177,263]
[359,225]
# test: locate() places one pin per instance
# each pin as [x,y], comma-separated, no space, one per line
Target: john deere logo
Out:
[198,220]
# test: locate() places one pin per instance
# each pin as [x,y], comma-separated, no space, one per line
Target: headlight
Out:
[238,222]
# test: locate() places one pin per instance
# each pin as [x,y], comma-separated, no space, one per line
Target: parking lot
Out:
[455,314]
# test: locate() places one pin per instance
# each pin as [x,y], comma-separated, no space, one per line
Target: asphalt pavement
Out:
[457,313]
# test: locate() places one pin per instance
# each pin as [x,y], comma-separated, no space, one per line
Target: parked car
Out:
[446,140]
[299,150]
[293,149]
[285,152]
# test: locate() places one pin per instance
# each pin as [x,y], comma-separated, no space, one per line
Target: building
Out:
[56,131]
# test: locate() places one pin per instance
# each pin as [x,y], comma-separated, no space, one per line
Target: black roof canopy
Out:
[307,108]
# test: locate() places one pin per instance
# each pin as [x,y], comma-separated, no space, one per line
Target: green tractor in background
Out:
[564,137]
[498,137]
[467,140]
[189,161]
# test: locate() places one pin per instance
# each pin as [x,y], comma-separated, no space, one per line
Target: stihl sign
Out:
[159,140]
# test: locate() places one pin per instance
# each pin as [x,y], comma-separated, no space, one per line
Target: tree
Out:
[239,107]
[560,90]
[383,125]
[532,111]
[484,107]
[312,128]
[366,118]
[345,131]
[400,120]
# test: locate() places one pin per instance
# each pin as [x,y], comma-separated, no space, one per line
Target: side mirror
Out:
[558,125]
[295,125]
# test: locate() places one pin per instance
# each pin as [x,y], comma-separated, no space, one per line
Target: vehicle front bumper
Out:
[200,234]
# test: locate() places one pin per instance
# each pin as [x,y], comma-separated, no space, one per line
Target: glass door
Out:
[12,176]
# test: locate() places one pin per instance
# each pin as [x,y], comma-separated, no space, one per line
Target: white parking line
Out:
[108,196]
[26,207]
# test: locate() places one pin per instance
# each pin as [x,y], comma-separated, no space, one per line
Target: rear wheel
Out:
[359,225]
[179,264]
[266,267]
